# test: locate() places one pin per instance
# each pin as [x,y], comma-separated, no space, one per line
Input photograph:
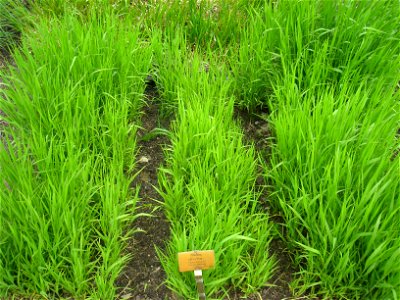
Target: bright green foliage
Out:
[335,117]
[208,189]
[255,63]
[317,44]
[178,69]
[13,15]
[84,8]
[204,23]
[328,72]
[338,190]
[65,171]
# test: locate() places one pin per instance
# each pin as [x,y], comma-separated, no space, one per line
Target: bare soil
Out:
[143,276]
[257,131]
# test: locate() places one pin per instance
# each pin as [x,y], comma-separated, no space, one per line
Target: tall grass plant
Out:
[208,186]
[335,114]
[72,105]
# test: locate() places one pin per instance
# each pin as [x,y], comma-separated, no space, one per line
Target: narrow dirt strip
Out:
[143,276]
[257,131]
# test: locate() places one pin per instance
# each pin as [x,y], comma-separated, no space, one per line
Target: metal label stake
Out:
[197,261]
[198,275]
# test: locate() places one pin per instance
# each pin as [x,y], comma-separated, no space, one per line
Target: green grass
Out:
[205,23]
[338,190]
[13,19]
[208,186]
[72,105]
[326,70]
[335,117]
[317,44]
[179,70]
[81,8]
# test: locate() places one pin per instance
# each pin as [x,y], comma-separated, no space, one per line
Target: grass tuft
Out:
[208,186]
[13,18]
[72,102]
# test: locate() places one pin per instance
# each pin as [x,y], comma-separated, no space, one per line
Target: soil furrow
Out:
[143,277]
[257,131]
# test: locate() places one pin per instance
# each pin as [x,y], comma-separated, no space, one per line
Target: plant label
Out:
[196,260]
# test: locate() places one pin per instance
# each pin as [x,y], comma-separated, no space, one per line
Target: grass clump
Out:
[327,70]
[335,117]
[208,186]
[72,102]
[178,69]
[337,186]
[204,23]
[81,8]
[319,44]
[13,19]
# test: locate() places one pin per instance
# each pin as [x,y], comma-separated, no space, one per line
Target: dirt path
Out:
[257,131]
[143,277]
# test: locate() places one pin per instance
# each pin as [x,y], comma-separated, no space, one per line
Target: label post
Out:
[197,261]
[198,275]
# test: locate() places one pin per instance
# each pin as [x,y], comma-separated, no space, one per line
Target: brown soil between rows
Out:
[143,276]
[257,131]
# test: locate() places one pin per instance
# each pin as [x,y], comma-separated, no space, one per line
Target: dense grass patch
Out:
[178,69]
[208,188]
[337,186]
[72,102]
[13,18]
[327,71]
[335,117]
[205,23]
[317,45]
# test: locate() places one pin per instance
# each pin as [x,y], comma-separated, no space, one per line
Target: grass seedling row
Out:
[72,104]
[328,72]
[208,186]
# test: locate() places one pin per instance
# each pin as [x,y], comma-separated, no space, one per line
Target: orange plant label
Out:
[196,260]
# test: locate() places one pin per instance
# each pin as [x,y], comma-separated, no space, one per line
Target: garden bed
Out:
[266,132]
